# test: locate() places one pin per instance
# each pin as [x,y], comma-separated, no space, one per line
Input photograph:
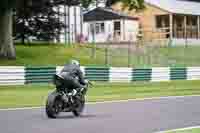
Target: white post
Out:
[185,26]
[124,36]
[170,29]
[185,29]
[171,26]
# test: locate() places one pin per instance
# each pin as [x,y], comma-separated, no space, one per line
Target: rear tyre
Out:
[53,105]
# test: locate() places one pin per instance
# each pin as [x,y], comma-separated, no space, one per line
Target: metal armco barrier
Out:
[39,74]
[12,75]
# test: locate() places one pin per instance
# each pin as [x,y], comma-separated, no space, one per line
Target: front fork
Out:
[68,100]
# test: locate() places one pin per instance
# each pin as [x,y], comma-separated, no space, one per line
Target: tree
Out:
[7,49]
[130,4]
[39,21]
[86,3]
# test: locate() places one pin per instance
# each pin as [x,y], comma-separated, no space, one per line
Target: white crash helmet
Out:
[75,62]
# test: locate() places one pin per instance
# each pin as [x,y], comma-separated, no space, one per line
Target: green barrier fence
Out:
[28,75]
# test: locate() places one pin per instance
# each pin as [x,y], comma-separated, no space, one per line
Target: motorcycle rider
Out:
[73,77]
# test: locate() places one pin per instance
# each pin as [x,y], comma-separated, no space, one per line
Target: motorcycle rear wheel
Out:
[53,105]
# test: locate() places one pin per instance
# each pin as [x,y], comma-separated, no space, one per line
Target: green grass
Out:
[196,130]
[51,55]
[35,95]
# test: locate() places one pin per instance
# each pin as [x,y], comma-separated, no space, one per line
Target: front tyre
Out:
[53,105]
[79,106]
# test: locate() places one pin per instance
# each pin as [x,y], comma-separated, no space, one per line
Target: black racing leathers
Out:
[73,76]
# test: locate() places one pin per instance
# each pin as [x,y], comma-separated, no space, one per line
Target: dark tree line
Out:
[37,20]
[40,21]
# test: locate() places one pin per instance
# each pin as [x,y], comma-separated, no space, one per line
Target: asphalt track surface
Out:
[143,116]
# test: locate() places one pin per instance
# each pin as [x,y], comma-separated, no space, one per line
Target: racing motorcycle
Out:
[63,100]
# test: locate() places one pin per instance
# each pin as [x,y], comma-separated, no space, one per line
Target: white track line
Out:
[114,101]
[144,99]
[179,129]
[25,108]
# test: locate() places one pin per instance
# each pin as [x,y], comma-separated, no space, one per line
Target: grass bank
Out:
[35,95]
[51,55]
[195,130]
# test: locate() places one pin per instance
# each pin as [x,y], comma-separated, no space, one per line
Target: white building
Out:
[103,25]
[99,24]
[73,20]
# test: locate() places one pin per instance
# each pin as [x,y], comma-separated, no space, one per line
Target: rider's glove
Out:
[86,81]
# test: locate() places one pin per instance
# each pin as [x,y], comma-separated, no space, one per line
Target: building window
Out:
[117,27]
[100,28]
[158,21]
[162,21]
